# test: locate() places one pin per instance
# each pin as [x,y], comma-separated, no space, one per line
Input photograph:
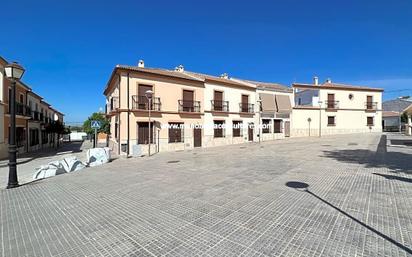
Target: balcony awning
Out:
[268,102]
[283,104]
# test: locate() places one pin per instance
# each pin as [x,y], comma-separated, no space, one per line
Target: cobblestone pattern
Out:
[225,201]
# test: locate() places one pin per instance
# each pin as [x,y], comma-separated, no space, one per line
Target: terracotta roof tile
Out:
[337,86]
[157,71]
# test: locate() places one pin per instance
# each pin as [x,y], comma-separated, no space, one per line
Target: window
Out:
[176,132]
[143,133]
[331,121]
[21,99]
[44,137]
[265,126]
[370,121]
[116,129]
[34,137]
[277,126]
[237,128]
[20,136]
[219,128]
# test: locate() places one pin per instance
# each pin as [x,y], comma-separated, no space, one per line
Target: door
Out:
[331,101]
[218,98]
[197,136]
[369,101]
[188,97]
[245,103]
[287,128]
[142,101]
[250,131]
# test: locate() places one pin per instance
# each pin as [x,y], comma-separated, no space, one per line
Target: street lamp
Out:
[260,117]
[149,95]
[14,72]
[320,118]
[400,111]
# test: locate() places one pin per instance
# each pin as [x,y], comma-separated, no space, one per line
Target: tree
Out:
[104,124]
[404,117]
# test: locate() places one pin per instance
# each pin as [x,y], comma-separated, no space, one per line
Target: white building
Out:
[331,108]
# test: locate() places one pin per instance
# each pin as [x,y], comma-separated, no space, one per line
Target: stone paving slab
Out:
[223,201]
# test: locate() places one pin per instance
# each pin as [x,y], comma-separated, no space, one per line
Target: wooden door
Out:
[369,100]
[142,101]
[244,103]
[218,98]
[188,97]
[250,131]
[197,137]
[287,128]
[331,101]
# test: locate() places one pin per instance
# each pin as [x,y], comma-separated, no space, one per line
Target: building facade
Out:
[392,112]
[187,110]
[330,108]
[30,122]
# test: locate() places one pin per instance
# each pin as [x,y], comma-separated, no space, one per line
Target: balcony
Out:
[189,106]
[113,105]
[142,103]
[36,116]
[332,105]
[22,109]
[371,106]
[246,108]
[220,106]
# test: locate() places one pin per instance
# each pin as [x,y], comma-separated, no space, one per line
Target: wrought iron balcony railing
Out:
[332,104]
[246,108]
[371,106]
[22,109]
[142,103]
[220,106]
[189,106]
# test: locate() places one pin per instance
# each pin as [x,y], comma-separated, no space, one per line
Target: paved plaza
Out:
[335,196]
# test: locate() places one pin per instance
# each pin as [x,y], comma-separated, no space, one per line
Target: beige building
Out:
[188,110]
[408,111]
[30,123]
[331,108]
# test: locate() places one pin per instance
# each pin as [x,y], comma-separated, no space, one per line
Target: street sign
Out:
[95,124]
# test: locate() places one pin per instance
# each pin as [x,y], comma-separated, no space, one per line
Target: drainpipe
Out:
[128,117]
[118,115]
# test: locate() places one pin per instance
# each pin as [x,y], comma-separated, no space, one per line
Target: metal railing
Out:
[246,108]
[113,104]
[332,104]
[371,106]
[22,109]
[220,106]
[142,103]
[189,106]
[36,115]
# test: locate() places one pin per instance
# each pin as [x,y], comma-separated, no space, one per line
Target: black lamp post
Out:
[14,72]
[149,95]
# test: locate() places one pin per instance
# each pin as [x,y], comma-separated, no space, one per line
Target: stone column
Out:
[409,128]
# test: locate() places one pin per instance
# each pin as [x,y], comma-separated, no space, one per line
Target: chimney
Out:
[315,81]
[328,80]
[180,68]
[224,76]
[140,64]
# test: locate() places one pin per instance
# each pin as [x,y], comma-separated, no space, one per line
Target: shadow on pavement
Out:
[407,180]
[71,147]
[395,161]
[303,187]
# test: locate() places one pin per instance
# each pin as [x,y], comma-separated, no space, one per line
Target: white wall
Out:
[351,116]
[233,95]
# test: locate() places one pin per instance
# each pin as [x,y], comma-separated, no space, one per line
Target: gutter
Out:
[128,117]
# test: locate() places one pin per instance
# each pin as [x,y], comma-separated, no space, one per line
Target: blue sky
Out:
[69,48]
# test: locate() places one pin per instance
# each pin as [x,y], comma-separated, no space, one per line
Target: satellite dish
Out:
[55,117]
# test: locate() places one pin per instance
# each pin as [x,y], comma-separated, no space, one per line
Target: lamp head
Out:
[14,71]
